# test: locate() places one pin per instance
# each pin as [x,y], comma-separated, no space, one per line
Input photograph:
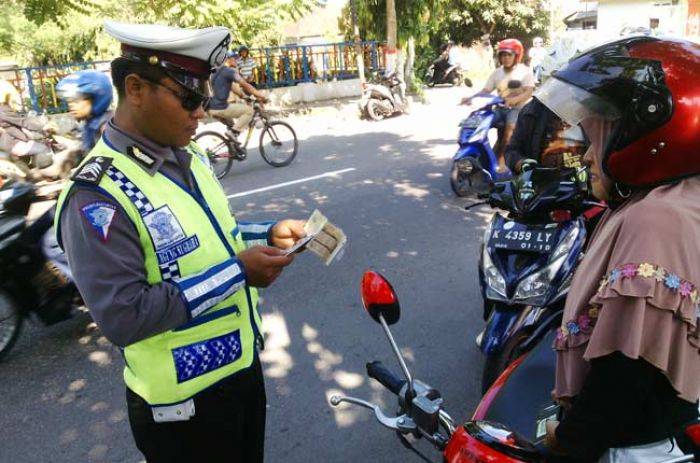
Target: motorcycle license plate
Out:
[515,236]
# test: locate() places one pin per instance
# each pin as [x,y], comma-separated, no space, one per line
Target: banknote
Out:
[328,240]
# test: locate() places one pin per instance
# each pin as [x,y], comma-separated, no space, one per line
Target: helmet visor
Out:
[69,91]
[573,104]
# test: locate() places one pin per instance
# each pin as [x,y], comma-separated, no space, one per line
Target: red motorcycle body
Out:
[514,399]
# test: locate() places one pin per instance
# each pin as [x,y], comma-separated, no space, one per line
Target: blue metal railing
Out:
[275,67]
[289,65]
[37,85]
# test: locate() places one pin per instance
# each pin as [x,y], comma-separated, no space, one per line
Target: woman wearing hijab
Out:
[628,349]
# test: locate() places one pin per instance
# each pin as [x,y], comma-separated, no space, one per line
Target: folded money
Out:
[328,240]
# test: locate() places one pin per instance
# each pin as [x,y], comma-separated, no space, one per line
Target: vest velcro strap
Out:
[202,357]
[208,288]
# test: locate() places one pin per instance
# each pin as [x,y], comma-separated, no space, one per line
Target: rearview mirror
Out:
[379,298]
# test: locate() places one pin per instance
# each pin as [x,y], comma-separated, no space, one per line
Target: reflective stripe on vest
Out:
[189,239]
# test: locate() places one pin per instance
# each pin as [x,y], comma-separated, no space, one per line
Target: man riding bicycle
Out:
[223,82]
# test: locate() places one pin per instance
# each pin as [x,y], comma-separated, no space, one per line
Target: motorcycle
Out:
[383,98]
[32,148]
[36,278]
[508,425]
[439,72]
[528,258]
[474,165]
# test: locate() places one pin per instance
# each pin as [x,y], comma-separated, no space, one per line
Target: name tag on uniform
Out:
[180,412]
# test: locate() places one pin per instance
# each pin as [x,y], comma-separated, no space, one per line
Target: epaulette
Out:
[93,170]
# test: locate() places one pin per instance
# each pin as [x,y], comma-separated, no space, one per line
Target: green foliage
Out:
[42,11]
[468,20]
[38,32]
[433,22]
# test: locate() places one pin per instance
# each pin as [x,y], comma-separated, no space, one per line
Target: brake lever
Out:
[401,423]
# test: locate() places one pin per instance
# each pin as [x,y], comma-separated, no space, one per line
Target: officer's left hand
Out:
[286,232]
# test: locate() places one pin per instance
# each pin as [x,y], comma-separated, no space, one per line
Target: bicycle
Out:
[223,149]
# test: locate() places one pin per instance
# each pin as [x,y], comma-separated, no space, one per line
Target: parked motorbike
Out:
[528,258]
[439,72]
[474,165]
[36,278]
[509,421]
[384,98]
[32,148]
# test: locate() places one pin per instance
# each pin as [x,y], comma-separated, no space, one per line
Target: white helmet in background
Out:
[558,54]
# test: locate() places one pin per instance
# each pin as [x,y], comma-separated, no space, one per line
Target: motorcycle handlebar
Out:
[385,377]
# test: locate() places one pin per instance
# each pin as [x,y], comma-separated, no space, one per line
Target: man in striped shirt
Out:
[246,64]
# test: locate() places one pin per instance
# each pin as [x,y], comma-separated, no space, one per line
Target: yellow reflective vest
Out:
[190,239]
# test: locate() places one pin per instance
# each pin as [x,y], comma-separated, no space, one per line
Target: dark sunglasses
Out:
[189,100]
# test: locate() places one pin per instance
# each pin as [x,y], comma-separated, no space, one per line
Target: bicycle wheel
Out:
[278,143]
[218,149]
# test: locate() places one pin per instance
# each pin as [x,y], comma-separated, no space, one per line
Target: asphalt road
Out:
[386,185]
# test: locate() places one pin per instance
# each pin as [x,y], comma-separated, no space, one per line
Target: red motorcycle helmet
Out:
[512,46]
[650,88]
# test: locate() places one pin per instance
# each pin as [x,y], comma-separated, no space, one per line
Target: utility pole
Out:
[392,55]
[359,54]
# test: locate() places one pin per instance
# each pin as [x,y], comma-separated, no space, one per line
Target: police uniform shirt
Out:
[111,273]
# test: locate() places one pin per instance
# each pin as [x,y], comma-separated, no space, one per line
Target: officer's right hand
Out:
[263,264]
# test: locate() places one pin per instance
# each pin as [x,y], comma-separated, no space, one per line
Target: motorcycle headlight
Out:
[494,280]
[465,166]
[535,286]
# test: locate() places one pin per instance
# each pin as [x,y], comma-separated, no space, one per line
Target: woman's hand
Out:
[550,439]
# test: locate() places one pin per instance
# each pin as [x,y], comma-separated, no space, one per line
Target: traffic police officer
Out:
[167,272]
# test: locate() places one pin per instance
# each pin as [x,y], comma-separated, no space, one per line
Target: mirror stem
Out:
[406,373]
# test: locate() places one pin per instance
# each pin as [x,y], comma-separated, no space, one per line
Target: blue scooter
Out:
[475,162]
[528,259]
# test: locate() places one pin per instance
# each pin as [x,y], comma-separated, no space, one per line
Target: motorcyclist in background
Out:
[89,95]
[540,137]
[502,80]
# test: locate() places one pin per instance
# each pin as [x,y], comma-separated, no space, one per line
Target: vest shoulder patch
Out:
[93,170]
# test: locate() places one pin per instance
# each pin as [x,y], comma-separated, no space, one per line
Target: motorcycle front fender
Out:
[498,327]
[507,321]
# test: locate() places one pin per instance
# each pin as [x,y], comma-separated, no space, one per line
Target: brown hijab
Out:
[636,291]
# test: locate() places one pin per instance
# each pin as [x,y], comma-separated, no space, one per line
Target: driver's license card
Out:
[300,244]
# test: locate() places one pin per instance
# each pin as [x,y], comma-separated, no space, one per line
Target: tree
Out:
[432,22]
[76,29]
[469,20]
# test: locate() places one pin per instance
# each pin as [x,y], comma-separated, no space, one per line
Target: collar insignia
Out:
[141,156]
[93,170]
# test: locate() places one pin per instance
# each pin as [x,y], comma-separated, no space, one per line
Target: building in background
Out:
[608,19]
[586,17]
[658,17]
[318,26]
